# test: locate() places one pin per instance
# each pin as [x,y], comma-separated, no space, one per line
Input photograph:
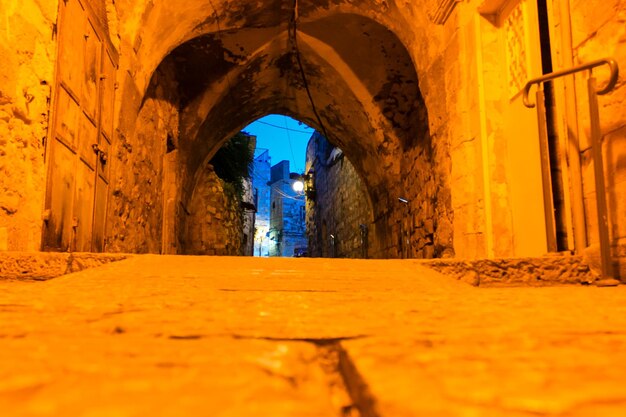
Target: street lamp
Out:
[298,186]
[304,184]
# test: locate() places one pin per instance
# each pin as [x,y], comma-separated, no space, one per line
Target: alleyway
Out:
[198,336]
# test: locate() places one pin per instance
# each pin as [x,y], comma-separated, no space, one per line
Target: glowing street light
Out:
[298,186]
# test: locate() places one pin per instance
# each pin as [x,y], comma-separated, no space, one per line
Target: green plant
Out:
[232,162]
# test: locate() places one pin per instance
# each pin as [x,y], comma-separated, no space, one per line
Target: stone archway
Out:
[350,75]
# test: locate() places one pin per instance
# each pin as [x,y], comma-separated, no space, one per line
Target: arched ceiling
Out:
[238,60]
[153,28]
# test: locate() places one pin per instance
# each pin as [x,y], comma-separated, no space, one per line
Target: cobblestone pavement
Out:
[197,336]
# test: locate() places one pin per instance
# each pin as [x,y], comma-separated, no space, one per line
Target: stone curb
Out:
[42,266]
[523,272]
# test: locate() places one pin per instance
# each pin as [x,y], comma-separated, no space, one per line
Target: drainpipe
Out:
[573,145]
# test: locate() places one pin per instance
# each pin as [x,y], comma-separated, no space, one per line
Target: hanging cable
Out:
[285,195]
[219,38]
[294,24]
[285,128]
[295,164]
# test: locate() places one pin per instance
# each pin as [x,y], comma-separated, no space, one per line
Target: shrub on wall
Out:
[232,162]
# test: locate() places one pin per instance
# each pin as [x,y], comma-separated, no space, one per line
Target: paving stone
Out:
[170,336]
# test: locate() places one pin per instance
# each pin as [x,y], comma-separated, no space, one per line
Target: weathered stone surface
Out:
[287,213]
[261,175]
[548,270]
[340,205]
[430,113]
[28,49]
[306,337]
[41,266]
[599,32]
[137,202]
[214,225]
[592,257]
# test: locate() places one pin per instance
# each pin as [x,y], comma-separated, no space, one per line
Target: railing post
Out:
[546,176]
[598,165]
[596,143]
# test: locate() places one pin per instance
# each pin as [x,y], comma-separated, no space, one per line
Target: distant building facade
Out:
[339,212]
[287,232]
[261,175]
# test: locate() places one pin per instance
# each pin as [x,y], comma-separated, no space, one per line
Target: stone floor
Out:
[194,336]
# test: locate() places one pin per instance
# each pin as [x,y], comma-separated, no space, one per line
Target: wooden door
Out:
[80,134]
[107,84]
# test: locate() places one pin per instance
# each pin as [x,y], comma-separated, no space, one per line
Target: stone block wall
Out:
[260,179]
[214,219]
[449,161]
[135,220]
[293,223]
[340,206]
[598,31]
[287,220]
[28,51]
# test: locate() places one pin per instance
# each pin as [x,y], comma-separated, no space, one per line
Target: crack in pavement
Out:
[338,365]
[349,390]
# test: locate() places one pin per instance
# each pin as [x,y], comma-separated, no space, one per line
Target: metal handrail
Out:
[584,67]
[596,152]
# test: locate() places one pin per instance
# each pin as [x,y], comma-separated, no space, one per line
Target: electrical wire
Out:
[285,128]
[294,22]
[285,195]
[293,158]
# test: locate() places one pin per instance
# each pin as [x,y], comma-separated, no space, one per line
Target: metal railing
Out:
[596,150]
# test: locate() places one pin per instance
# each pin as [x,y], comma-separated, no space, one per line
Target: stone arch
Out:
[376,112]
[157,27]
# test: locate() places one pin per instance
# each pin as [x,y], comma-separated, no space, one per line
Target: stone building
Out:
[261,175]
[338,211]
[248,212]
[220,220]
[287,234]
[215,221]
[110,110]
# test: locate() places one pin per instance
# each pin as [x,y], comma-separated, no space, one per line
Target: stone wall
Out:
[377,112]
[429,119]
[562,269]
[287,214]
[214,220]
[135,221]
[248,219]
[260,180]
[598,31]
[28,50]
[339,206]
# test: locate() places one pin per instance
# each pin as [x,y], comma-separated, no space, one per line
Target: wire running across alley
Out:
[293,157]
[284,128]
[294,25]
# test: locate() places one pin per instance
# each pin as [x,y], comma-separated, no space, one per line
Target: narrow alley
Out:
[454,234]
[199,336]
